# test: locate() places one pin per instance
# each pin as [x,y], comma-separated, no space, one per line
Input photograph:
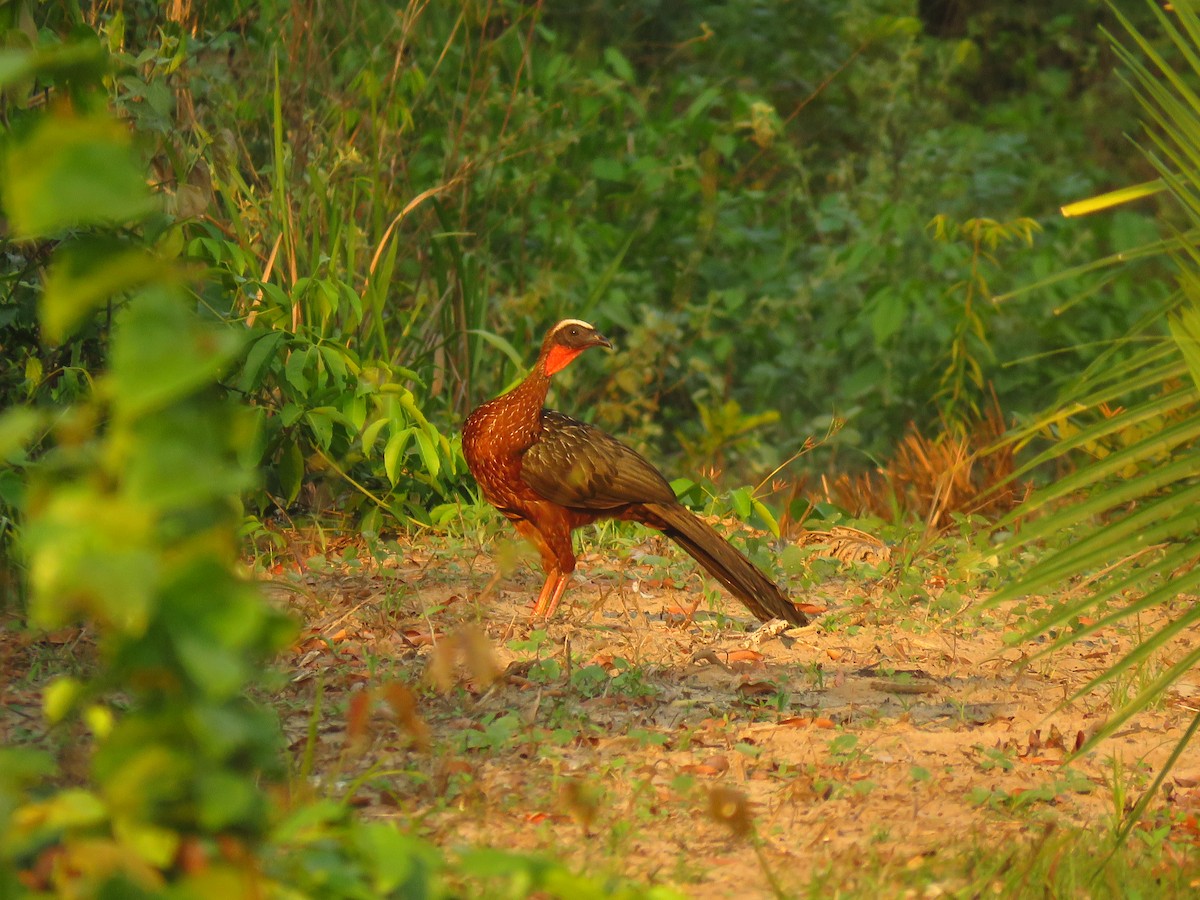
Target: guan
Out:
[550,474]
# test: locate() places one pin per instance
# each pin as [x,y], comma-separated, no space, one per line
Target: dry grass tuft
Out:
[958,470]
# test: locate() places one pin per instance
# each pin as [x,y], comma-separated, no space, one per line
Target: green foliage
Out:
[128,526]
[1136,499]
[127,495]
[963,387]
[729,192]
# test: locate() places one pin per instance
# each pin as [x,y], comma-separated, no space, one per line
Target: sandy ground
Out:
[628,737]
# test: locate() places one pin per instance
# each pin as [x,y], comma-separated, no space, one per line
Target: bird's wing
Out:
[576,464]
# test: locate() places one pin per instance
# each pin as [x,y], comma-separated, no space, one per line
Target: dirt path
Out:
[625,737]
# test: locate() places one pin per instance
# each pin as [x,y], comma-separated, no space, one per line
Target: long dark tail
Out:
[724,562]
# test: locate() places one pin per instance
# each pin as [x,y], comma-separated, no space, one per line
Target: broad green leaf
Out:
[163,352]
[393,452]
[154,844]
[428,452]
[291,414]
[310,822]
[85,274]
[608,169]
[703,101]
[290,471]
[682,485]
[90,554]
[354,410]
[69,808]
[71,172]
[321,424]
[179,456]
[81,59]
[21,766]
[619,64]
[370,434]
[742,502]
[215,668]
[295,369]
[16,65]
[397,860]
[887,315]
[767,516]
[226,800]
[335,361]
[262,354]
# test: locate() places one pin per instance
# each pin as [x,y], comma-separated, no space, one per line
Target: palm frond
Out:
[1133,509]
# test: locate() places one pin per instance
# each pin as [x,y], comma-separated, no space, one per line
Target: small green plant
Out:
[996,758]
[963,384]
[494,734]
[844,750]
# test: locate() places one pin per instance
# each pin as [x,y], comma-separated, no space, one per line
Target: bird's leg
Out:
[539,608]
[559,587]
[551,593]
[552,537]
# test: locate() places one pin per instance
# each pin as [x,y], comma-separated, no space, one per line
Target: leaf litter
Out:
[625,737]
[690,750]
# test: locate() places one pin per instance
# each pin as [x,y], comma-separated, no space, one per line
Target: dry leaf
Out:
[440,671]
[743,656]
[357,715]
[191,858]
[403,704]
[583,799]
[1055,740]
[418,638]
[479,655]
[805,722]
[749,689]
[714,765]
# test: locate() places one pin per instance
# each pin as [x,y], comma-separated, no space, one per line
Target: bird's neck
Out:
[534,388]
[528,398]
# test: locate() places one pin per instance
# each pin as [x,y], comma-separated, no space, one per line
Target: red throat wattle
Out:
[560,357]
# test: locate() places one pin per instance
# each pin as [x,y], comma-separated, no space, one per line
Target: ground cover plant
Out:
[296,240]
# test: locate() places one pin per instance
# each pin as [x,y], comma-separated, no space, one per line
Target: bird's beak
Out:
[599,340]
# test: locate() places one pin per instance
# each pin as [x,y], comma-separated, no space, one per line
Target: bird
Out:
[549,474]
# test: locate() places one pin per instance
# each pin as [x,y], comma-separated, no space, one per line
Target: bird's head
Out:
[567,340]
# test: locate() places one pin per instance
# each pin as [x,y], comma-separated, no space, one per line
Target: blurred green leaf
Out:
[83,59]
[165,353]
[85,274]
[17,430]
[91,555]
[71,172]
